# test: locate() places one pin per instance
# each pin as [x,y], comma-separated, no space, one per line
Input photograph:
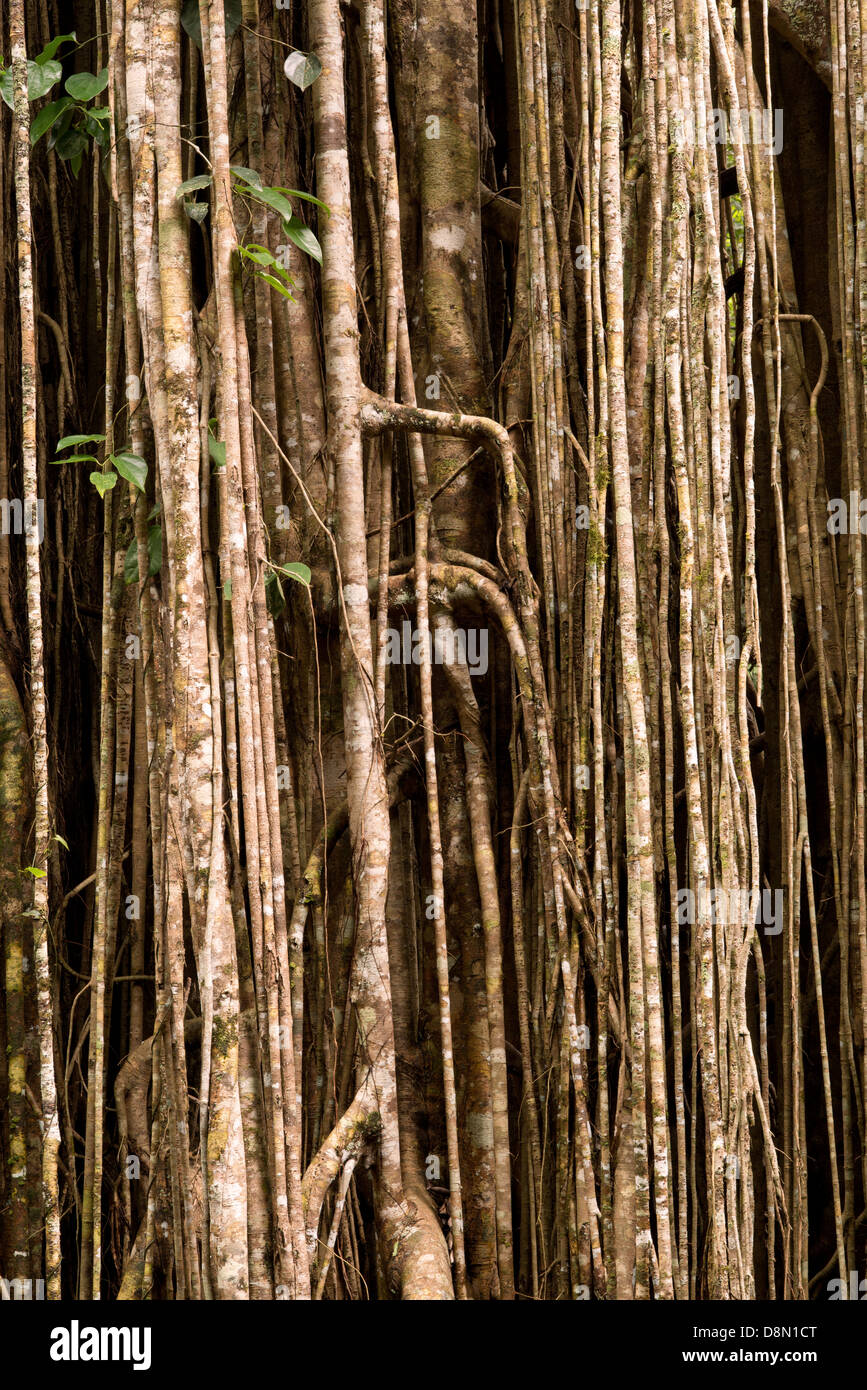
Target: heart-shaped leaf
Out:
[131,467]
[85,85]
[295,570]
[103,482]
[196,211]
[71,145]
[41,77]
[45,118]
[302,69]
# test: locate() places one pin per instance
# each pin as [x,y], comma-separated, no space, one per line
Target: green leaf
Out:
[131,467]
[308,197]
[155,550]
[275,599]
[272,199]
[31,869]
[41,77]
[60,840]
[155,556]
[227,588]
[45,118]
[302,69]
[71,146]
[85,85]
[77,458]
[190,185]
[246,175]
[103,482]
[190,19]
[304,238]
[217,451]
[69,440]
[274,283]
[52,46]
[296,570]
[260,255]
[130,564]
[61,126]
[196,211]
[232,10]
[95,130]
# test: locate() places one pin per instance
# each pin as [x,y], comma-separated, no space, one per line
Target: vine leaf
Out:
[45,118]
[297,231]
[217,451]
[155,556]
[155,549]
[71,146]
[85,85]
[41,77]
[246,175]
[197,211]
[260,255]
[272,199]
[52,46]
[191,22]
[275,284]
[103,482]
[308,197]
[295,570]
[190,185]
[302,69]
[70,441]
[131,467]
